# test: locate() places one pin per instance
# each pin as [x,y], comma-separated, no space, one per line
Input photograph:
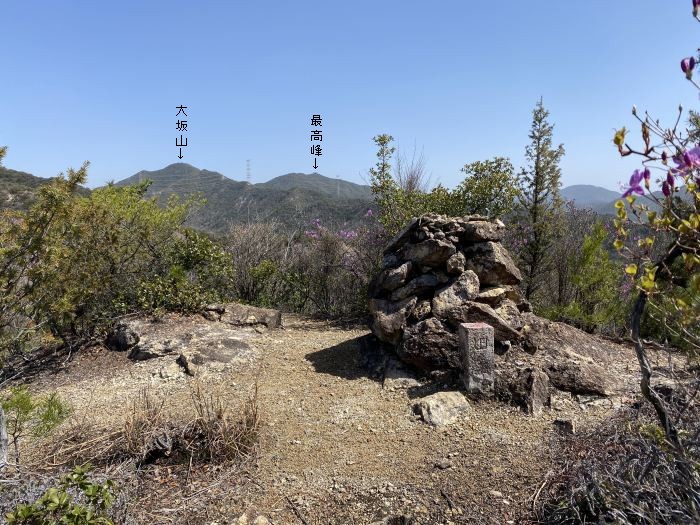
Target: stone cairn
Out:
[437,274]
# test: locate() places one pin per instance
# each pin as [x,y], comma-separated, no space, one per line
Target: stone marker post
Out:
[476,357]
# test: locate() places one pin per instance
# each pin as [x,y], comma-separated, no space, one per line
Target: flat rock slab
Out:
[432,252]
[199,341]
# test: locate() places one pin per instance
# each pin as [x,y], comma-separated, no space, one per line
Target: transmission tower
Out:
[247,170]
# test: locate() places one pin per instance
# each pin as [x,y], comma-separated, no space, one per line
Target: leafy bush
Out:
[262,276]
[198,272]
[71,264]
[59,505]
[490,188]
[665,263]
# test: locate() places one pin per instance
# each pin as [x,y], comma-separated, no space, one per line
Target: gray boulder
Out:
[243,315]
[432,252]
[429,345]
[419,285]
[525,385]
[455,264]
[532,388]
[579,377]
[478,231]
[492,295]
[509,312]
[464,289]
[393,278]
[389,318]
[473,312]
[122,338]
[441,408]
[491,262]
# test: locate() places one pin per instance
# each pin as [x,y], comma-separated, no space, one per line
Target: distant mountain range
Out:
[596,198]
[294,199]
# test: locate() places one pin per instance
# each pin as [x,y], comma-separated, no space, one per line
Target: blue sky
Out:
[99,81]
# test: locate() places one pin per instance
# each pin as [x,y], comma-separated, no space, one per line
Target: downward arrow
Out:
[180,155]
[315,165]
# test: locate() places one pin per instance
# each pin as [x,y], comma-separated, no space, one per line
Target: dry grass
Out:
[216,436]
[207,431]
[145,426]
[622,472]
[169,466]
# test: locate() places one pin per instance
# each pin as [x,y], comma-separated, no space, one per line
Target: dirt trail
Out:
[337,445]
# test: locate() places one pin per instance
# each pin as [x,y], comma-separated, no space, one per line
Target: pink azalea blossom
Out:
[634,185]
[689,160]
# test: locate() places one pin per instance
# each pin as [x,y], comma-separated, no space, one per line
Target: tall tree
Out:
[384,187]
[540,200]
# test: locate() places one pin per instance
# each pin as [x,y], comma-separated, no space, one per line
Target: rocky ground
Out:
[339,440]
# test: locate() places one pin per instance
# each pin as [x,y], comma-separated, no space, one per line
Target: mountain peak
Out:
[318,183]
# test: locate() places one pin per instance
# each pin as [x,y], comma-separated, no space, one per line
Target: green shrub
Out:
[29,415]
[196,272]
[58,504]
[72,264]
[262,276]
[489,188]
[258,251]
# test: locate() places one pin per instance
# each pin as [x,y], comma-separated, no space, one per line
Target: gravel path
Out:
[338,446]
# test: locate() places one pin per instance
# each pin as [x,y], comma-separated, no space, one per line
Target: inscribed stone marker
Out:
[476,356]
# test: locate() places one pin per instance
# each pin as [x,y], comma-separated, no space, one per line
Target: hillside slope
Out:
[18,190]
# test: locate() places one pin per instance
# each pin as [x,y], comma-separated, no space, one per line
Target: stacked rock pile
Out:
[440,272]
